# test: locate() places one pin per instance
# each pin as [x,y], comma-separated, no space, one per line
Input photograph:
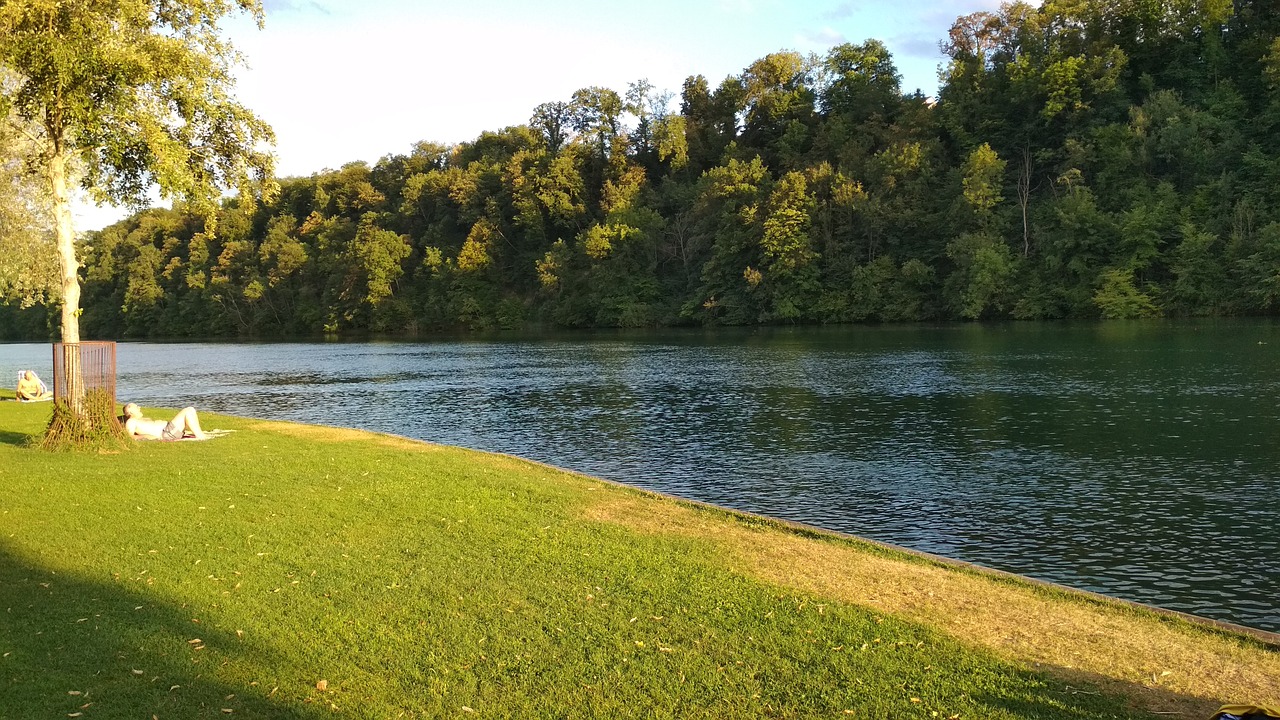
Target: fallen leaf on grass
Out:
[322,685]
[137,672]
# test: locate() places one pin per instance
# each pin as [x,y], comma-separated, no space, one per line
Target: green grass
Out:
[190,579]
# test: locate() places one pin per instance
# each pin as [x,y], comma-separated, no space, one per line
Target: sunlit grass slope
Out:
[296,572]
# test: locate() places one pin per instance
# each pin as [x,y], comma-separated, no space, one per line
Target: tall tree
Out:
[151,106]
[597,115]
[860,81]
[790,270]
[779,108]
[552,121]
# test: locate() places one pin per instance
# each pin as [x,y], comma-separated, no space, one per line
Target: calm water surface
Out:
[1137,460]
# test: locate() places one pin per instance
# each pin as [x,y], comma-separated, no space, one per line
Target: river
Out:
[1139,460]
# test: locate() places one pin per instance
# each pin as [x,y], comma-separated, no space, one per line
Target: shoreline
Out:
[1266,637]
[549,535]
[984,471]
[1054,595]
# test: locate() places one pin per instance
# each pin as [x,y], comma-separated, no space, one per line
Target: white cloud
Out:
[737,7]
[273,7]
[825,38]
[920,45]
[843,11]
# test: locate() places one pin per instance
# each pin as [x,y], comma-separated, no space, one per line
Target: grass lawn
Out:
[290,571]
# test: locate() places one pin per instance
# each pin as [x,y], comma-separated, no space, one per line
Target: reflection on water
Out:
[1137,460]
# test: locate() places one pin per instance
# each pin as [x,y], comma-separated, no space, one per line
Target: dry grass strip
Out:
[325,433]
[320,433]
[1164,666]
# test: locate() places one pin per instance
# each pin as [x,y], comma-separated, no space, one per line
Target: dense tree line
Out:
[1084,159]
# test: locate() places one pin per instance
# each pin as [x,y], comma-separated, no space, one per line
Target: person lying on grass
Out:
[185,424]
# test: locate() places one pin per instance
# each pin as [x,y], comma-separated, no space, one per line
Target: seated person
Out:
[184,424]
[30,388]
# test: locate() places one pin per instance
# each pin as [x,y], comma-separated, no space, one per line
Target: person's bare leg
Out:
[190,422]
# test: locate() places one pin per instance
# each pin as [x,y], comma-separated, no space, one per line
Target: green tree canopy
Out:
[1083,159]
[28,261]
[131,93]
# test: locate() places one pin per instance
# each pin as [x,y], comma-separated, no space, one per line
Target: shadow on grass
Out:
[1077,694]
[68,646]
[21,423]
[15,439]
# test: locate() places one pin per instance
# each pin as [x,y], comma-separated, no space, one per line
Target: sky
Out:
[348,80]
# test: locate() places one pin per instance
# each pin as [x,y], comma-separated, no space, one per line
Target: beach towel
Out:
[1247,712]
[209,435]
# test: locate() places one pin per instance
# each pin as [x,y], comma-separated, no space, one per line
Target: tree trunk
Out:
[70,386]
[66,248]
[1024,199]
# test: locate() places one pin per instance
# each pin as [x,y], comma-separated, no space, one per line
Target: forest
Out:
[1083,159]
